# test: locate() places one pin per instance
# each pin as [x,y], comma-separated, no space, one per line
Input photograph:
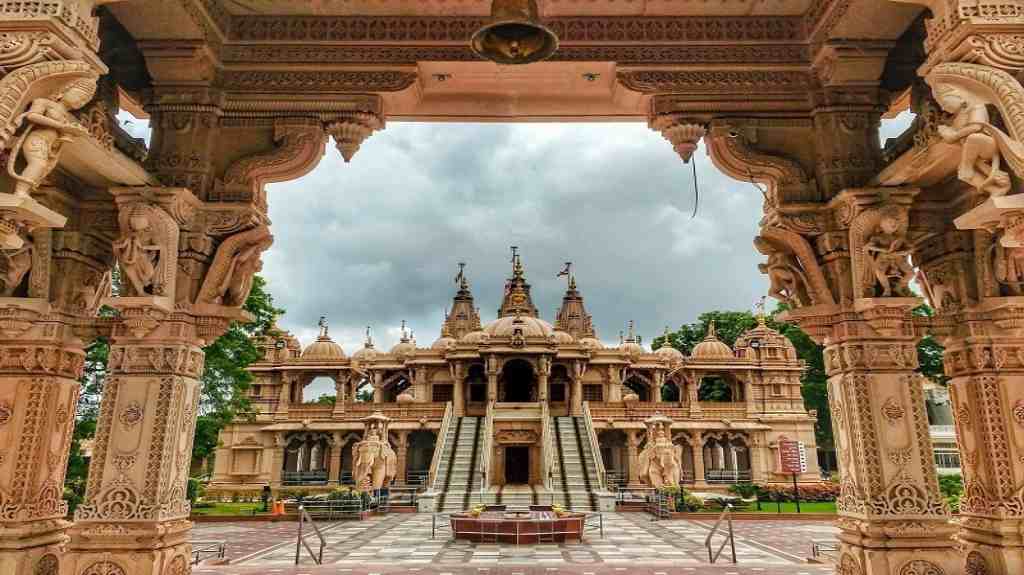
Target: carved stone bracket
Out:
[300,144]
[683,133]
[351,130]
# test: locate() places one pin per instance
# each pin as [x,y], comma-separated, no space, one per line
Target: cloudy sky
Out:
[378,240]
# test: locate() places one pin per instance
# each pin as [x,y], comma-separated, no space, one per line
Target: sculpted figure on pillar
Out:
[144,250]
[375,463]
[14,264]
[660,460]
[229,279]
[965,91]
[50,125]
[788,283]
[888,253]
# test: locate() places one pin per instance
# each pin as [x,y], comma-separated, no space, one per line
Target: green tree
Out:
[929,352]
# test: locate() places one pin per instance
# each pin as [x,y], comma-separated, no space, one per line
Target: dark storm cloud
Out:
[378,240]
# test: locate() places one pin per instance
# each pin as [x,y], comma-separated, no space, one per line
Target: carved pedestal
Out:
[40,364]
[986,366]
[135,517]
[892,517]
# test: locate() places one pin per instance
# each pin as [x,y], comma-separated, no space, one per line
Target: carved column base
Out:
[991,547]
[130,549]
[900,547]
[33,547]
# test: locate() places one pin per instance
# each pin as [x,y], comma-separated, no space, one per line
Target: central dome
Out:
[530,326]
[323,349]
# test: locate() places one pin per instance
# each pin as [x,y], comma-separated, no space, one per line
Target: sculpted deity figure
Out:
[374,463]
[138,252]
[888,253]
[1008,265]
[983,145]
[788,283]
[660,461]
[14,264]
[50,125]
[229,280]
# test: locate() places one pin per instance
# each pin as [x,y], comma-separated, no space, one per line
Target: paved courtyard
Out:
[632,543]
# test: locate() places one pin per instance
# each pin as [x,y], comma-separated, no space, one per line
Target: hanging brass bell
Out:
[514,35]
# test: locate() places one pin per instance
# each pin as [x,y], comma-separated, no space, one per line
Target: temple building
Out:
[518,409]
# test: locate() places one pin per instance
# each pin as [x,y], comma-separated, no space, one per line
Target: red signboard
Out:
[792,457]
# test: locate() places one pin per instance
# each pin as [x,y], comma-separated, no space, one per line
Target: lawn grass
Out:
[224,509]
[805,507]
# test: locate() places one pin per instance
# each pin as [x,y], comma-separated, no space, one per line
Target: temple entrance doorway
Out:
[518,382]
[517,465]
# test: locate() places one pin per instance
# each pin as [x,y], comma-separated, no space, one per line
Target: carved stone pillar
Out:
[401,451]
[339,393]
[698,457]
[284,399]
[135,516]
[41,363]
[633,438]
[891,513]
[458,391]
[334,469]
[577,396]
[277,461]
[613,384]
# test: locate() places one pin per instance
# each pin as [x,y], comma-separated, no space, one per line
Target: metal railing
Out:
[659,505]
[713,555]
[487,440]
[300,539]
[440,522]
[417,478]
[594,521]
[304,478]
[547,438]
[595,445]
[399,497]
[727,475]
[202,550]
[442,434]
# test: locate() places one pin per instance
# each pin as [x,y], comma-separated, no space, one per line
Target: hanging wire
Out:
[696,187]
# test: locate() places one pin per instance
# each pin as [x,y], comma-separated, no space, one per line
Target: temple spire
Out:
[463,317]
[572,317]
[517,299]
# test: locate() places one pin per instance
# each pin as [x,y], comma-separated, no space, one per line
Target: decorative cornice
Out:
[315,53]
[317,81]
[568,29]
[694,81]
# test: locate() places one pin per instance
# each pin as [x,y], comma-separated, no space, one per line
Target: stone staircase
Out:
[456,483]
[574,480]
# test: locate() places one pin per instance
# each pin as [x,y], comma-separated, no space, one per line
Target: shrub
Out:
[194,490]
[746,490]
[819,492]
[952,489]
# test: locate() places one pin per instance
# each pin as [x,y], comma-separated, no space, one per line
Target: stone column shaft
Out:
[334,470]
[39,372]
[401,453]
[135,516]
[698,459]
[633,444]
[577,396]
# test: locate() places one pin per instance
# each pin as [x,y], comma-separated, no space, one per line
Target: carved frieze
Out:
[359,81]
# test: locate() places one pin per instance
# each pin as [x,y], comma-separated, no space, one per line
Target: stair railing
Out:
[548,449]
[486,447]
[595,446]
[727,515]
[300,540]
[439,452]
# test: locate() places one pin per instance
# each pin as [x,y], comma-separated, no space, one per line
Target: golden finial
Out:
[667,341]
[460,278]
[760,305]
[712,334]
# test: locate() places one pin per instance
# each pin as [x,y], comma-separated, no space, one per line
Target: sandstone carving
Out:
[375,463]
[660,461]
[965,90]
[229,279]
[147,249]
[14,264]
[50,125]
[788,283]
[888,254]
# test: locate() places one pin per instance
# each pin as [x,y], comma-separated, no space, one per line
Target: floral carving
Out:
[892,410]
[6,412]
[976,564]
[963,415]
[104,568]
[131,414]
[48,565]
[1018,412]
[848,566]
[921,567]
[178,566]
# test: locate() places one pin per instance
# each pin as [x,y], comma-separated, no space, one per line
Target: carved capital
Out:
[732,145]
[683,133]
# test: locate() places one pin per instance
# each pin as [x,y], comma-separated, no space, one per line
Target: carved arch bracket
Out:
[301,144]
[731,148]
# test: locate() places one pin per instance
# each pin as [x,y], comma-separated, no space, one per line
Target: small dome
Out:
[632,348]
[403,348]
[507,326]
[667,352]
[367,353]
[443,342]
[711,347]
[324,349]
[762,336]
[591,343]
[474,337]
[564,338]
